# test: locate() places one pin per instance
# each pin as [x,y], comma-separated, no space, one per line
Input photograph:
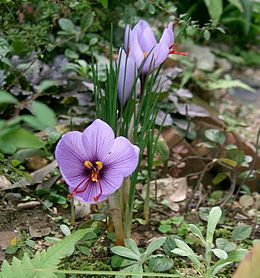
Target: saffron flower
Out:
[127,75]
[141,44]
[94,163]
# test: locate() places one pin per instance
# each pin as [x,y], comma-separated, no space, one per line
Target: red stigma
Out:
[174,51]
[93,177]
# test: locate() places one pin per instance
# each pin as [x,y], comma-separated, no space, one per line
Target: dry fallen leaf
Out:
[246,201]
[6,238]
[172,190]
[249,267]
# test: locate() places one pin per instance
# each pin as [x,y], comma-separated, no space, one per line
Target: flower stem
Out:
[126,189]
[147,203]
[72,212]
[116,216]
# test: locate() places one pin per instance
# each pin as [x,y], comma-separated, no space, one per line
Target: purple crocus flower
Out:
[141,44]
[94,163]
[127,75]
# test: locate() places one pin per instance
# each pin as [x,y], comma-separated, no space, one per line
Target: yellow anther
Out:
[94,176]
[145,54]
[88,164]
[99,165]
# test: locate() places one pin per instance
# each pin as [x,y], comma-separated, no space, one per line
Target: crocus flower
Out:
[141,44]
[127,75]
[93,163]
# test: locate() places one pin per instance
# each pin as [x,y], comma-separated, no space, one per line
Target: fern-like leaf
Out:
[42,261]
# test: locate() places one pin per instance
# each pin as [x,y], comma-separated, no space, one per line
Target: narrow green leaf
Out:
[219,178]
[213,219]
[125,252]
[196,231]
[154,245]
[228,162]
[131,244]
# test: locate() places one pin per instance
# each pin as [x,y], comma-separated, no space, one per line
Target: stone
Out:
[13,197]
[28,205]
[203,57]
[4,182]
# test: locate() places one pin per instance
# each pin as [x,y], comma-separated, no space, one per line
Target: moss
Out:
[223,233]
[80,262]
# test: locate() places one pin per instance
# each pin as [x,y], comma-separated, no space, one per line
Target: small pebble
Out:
[13,197]
[28,205]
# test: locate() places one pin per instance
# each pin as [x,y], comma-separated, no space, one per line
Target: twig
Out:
[190,157]
[187,129]
[200,196]
[231,190]
[207,168]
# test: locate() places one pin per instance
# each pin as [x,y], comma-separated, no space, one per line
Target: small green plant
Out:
[44,260]
[225,251]
[134,260]
[12,169]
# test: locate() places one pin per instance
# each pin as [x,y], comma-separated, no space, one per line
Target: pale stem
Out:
[147,203]
[116,218]
[128,220]
[72,212]
[125,191]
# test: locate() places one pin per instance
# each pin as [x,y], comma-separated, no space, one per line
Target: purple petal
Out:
[140,27]
[147,40]
[168,35]
[111,181]
[128,32]
[135,51]
[71,155]
[156,57]
[123,157]
[98,140]
[127,75]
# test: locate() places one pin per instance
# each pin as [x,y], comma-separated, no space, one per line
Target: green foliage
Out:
[216,136]
[43,114]
[226,251]
[12,169]
[215,9]
[14,138]
[137,261]
[7,98]
[46,261]
[241,232]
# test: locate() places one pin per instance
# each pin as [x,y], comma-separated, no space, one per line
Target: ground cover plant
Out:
[129,138]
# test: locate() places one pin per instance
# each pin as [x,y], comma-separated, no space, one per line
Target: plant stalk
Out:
[147,203]
[117,220]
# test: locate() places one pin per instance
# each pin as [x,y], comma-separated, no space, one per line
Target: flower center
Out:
[145,54]
[94,176]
